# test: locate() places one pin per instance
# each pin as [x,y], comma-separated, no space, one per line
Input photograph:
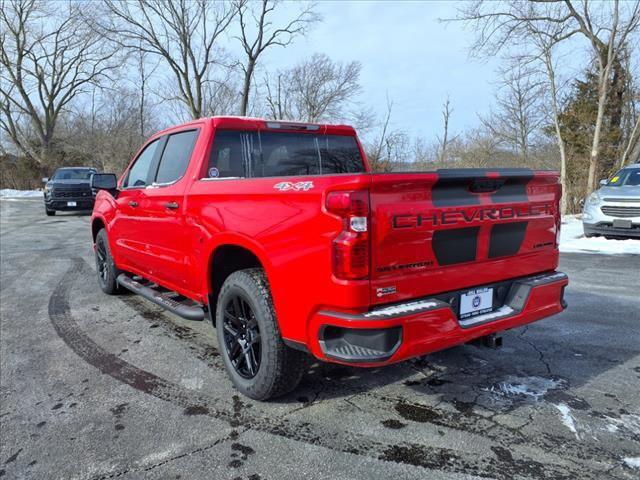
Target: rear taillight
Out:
[351,248]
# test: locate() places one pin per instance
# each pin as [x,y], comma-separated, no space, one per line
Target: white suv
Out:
[614,209]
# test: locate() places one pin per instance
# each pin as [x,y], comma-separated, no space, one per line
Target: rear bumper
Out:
[394,333]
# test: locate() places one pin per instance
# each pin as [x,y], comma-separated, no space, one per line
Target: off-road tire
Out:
[50,213]
[108,283]
[281,367]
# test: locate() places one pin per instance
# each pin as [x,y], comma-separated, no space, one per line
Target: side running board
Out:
[167,299]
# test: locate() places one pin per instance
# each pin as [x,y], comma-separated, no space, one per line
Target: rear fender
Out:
[237,240]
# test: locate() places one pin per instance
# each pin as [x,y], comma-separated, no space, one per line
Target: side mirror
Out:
[45,179]
[603,182]
[104,181]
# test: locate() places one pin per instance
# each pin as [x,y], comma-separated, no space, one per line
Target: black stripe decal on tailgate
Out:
[457,245]
[506,239]
[458,187]
[514,188]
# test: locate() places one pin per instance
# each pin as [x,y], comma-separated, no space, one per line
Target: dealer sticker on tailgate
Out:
[476,302]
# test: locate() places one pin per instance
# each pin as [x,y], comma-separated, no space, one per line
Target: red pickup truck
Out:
[281,235]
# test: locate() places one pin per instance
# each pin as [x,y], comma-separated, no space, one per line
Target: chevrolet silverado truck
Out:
[282,236]
[69,189]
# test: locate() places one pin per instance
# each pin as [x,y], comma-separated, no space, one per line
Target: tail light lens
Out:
[351,248]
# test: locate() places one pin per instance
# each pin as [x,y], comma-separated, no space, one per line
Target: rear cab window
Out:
[256,154]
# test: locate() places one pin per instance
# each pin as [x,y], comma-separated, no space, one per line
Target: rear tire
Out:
[50,213]
[105,266]
[259,363]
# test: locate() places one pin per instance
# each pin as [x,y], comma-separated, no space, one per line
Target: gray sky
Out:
[405,52]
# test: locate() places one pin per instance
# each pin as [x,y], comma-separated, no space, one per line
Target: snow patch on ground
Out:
[627,422]
[572,239]
[633,462]
[11,193]
[531,387]
[568,419]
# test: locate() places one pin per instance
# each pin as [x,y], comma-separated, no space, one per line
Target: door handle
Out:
[133,203]
[171,205]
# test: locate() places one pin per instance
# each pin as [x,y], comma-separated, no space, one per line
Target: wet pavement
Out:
[93,386]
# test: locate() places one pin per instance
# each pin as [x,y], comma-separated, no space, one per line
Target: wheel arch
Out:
[96,225]
[226,258]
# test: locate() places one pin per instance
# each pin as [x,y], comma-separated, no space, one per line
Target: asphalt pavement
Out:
[98,387]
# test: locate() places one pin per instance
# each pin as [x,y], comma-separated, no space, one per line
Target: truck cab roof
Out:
[252,123]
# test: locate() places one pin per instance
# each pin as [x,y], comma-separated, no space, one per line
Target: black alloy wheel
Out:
[259,363]
[242,339]
[107,270]
[102,262]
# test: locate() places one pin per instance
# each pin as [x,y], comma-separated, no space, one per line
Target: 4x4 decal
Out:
[286,186]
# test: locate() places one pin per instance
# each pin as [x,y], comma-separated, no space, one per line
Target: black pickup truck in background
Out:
[69,189]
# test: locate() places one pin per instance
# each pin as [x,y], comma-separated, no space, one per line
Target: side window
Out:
[232,153]
[176,156]
[139,172]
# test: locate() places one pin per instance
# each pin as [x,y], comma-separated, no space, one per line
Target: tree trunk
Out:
[551,74]
[594,157]
[631,154]
[143,82]
[246,88]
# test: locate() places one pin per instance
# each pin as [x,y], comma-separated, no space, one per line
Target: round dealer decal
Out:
[214,172]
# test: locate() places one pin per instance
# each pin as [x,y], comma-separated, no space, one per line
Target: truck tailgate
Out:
[452,229]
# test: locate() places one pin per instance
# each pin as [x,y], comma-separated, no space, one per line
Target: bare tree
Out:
[631,152]
[376,156]
[278,97]
[265,35]
[389,149]
[519,115]
[48,56]
[183,33]
[608,35]
[547,57]
[222,96]
[107,134]
[631,124]
[502,25]
[447,110]
[314,90]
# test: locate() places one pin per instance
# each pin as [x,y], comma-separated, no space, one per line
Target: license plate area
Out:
[619,223]
[72,204]
[476,302]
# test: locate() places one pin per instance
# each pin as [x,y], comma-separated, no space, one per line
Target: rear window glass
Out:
[285,154]
[176,156]
[279,154]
